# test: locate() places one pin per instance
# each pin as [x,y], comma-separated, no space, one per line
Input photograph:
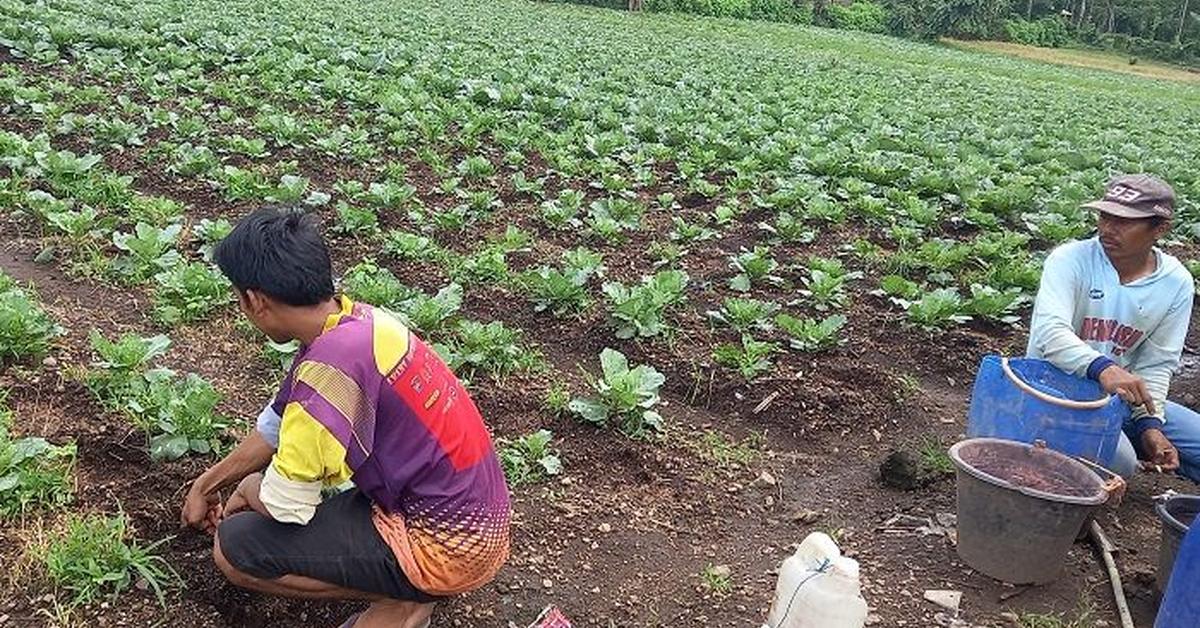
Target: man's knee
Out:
[1125,462]
[229,538]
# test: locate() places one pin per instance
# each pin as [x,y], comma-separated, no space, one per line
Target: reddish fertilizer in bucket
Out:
[1020,507]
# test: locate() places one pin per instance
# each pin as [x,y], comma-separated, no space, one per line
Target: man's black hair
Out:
[279,252]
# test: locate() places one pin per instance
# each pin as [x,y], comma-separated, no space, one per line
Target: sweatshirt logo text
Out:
[1109,330]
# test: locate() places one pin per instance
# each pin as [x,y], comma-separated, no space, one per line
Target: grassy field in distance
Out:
[1096,59]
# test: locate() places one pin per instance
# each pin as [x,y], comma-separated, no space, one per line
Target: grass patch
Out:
[907,387]
[934,456]
[717,578]
[1095,59]
[835,531]
[1085,615]
[557,398]
[726,452]
[94,557]
[1038,620]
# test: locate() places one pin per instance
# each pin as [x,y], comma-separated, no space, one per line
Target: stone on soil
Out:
[948,600]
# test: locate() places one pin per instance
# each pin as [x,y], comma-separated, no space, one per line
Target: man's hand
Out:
[1161,455]
[202,506]
[201,511]
[1117,381]
[246,496]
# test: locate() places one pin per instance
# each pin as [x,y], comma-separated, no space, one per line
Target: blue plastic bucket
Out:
[1181,604]
[1024,399]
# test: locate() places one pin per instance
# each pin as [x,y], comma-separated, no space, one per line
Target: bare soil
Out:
[623,538]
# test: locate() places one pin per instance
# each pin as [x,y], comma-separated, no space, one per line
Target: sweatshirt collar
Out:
[1159,263]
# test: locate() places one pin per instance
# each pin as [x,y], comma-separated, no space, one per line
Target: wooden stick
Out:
[765,403]
[1114,577]
[1008,595]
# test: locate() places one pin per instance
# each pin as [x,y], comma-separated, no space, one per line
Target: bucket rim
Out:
[1169,519]
[1100,497]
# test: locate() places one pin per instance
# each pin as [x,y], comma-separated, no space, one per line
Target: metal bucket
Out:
[1020,507]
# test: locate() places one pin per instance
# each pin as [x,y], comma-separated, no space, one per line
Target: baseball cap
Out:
[1137,196]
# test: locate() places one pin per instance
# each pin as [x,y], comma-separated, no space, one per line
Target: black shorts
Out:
[339,546]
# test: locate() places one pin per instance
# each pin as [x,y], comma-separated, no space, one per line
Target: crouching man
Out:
[1115,308]
[366,401]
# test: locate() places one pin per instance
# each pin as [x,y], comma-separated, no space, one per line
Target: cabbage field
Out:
[701,275]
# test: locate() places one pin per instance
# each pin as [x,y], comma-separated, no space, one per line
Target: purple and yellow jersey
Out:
[370,402]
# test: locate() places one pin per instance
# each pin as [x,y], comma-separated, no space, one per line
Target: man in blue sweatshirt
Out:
[1116,309]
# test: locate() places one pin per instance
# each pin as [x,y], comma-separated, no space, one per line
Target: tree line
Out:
[1168,21]
[1164,29]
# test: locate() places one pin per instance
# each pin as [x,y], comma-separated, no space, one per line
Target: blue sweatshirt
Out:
[1084,319]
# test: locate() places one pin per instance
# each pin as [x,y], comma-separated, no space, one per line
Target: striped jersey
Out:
[370,402]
